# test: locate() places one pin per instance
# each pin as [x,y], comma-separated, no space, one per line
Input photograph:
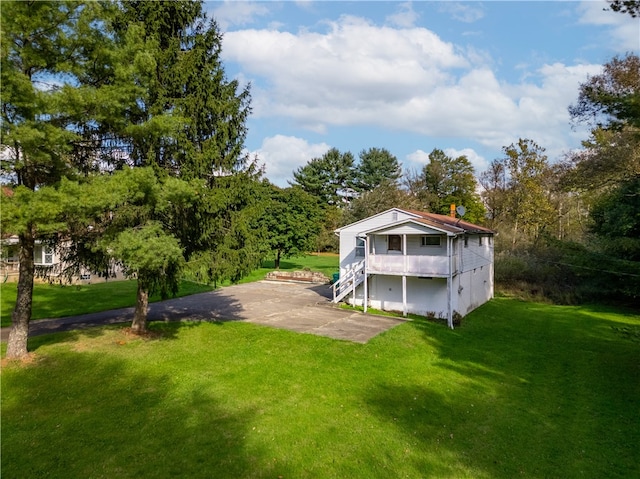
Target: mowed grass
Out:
[55,301]
[519,390]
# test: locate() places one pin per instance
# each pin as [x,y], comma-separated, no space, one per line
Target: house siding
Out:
[424,296]
[474,255]
[425,269]
[349,233]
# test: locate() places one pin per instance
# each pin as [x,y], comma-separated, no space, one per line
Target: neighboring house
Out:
[415,262]
[48,263]
[43,257]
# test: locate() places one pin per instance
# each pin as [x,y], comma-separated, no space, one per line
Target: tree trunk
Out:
[19,334]
[139,324]
[277,261]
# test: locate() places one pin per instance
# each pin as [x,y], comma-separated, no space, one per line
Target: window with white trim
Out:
[360,247]
[47,255]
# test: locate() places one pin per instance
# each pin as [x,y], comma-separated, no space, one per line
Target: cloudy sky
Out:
[465,77]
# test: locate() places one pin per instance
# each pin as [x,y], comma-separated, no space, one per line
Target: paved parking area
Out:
[300,307]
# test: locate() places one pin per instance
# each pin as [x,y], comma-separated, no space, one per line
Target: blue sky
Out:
[465,77]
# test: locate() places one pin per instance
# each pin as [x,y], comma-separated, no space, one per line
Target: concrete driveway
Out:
[299,307]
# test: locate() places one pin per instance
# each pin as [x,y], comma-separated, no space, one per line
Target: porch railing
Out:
[414,265]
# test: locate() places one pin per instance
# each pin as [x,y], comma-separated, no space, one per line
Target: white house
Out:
[415,262]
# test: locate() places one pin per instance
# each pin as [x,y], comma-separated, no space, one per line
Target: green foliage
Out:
[446,180]
[331,220]
[328,178]
[612,98]
[617,213]
[188,119]
[566,272]
[518,191]
[291,221]
[376,167]
[381,198]
[152,255]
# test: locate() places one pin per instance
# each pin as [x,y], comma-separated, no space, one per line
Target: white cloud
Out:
[230,12]
[359,74]
[463,12]
[479,162]
[625,30]
[339,76]
[417,159]
[281,155]
[405,17]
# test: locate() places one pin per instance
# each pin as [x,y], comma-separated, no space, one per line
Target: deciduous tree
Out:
[446,180]
[292,221]
[383,197]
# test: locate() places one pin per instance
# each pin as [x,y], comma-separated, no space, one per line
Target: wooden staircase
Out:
[348,283]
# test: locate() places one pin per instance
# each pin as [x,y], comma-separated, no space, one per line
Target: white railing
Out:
[347,283]
[415,265]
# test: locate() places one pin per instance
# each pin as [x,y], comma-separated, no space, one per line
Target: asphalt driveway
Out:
[300,307]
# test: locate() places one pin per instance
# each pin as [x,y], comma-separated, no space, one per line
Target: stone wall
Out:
[302,276]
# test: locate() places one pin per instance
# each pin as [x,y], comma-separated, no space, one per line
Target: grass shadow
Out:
[118,421]
[532,391]
[213,306]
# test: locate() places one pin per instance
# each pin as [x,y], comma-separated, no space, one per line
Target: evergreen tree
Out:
[376,167]
[142,85]
[188,122]
[329,178]
[46,49]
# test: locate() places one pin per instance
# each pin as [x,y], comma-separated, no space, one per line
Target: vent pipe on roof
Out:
[452,210]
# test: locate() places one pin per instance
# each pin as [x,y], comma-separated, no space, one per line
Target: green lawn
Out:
[54,301]
[519,390]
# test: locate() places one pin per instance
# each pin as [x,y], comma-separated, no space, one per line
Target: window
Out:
[480,240]
[395,243]
[47,255]
[360,245]
[430,241]
[466,241]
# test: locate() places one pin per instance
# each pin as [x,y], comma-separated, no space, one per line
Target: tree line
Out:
[123,143]
[568,228]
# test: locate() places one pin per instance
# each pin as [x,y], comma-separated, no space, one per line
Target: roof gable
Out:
[419,225]
[446,224]
[373,217]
